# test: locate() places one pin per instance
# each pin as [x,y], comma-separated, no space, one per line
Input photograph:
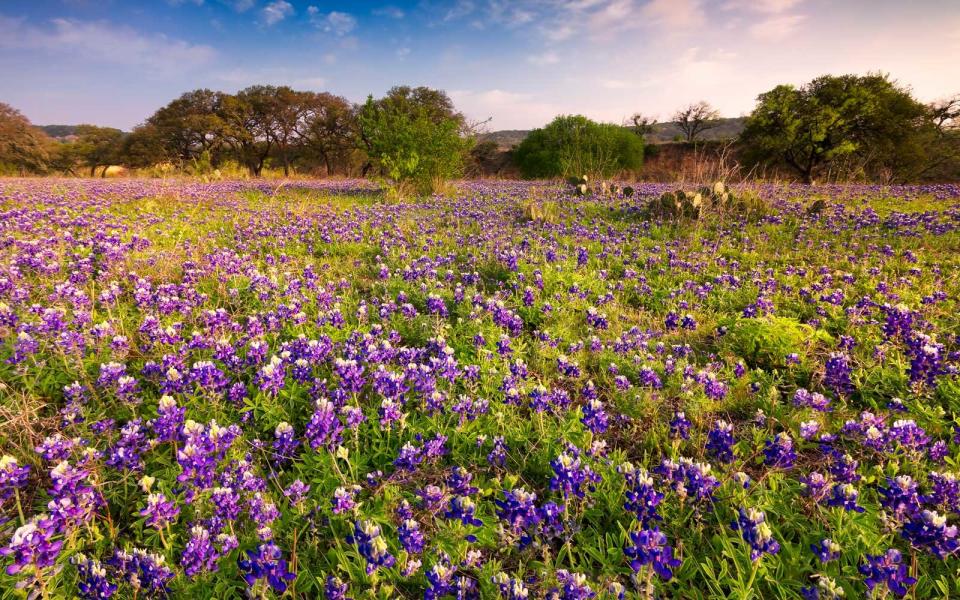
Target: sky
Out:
[516,62]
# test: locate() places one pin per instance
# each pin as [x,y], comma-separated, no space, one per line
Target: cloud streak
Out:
[103,42]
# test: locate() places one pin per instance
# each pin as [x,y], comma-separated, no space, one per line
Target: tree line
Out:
[856,127]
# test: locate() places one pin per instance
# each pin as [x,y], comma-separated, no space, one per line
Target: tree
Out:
[285,112]
[641,124]
[859,123]
[247,125]
[695,118]
[189,126]
[96,147]
[328,130]
[415,137]
[573,145]
[945,114]
[143,147]
[22,146]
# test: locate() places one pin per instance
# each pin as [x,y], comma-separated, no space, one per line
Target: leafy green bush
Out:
[765,342]
[417,151]
[574,146]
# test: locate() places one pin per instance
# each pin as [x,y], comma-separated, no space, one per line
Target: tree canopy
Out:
[849,122]
[415,138]
[23,147]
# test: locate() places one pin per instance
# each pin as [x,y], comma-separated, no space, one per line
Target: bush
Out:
[418,152]
[576,146]
[765,342]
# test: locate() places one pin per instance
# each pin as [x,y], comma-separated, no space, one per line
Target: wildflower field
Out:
[230,389]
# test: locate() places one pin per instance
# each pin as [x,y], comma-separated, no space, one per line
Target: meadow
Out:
[300,390]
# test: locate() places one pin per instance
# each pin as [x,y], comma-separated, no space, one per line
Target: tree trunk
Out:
[93,171]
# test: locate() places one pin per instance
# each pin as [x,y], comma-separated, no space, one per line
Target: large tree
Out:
[849,122]
[22,146]
[96,147]
[188,127]
[328,130]
[248,120]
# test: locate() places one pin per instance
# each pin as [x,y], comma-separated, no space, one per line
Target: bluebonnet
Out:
[887,571]
[651,547]
[752,524]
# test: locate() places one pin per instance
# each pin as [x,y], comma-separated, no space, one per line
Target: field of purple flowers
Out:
[219,390]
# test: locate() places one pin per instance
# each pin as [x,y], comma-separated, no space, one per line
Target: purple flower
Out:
[844,495]
[462,508]
[12,476]
[595,417]
[908,434]
[296,492]
[650,547]
[371,545]
[92,583]
[324,429]
[510,588]
[169,419]
[266,561]
[199,556]
[144,571]
[900,496]
[641,497]
[498,456]
[837,374]
[519,514]
[285,442]
[32,546]
[826,550]
[335,588]
[887,571]
[680,426]
[344,499]
[720,441]
[928,530]
[411,538]
[752,524]
[926,359]
[779,452]
[159,511]
[573,586]
[571,476]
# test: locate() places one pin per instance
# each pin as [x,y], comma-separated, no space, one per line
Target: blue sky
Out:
[519,62]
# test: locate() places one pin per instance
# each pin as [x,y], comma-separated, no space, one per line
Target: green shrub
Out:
[575,146]
[416,151]
[765,342]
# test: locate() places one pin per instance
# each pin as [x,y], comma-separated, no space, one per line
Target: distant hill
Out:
[58,131]
[727,128]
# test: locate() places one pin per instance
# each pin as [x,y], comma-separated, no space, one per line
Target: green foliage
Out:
[575,146]
[416,148]
[767,341]
[848,122]
[23,147]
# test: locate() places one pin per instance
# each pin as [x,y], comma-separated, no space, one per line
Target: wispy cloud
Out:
[275,12]
[546,58]
[103,42]
[674,13]
[762,6]
[776,27]
[392,12]
[335,22]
